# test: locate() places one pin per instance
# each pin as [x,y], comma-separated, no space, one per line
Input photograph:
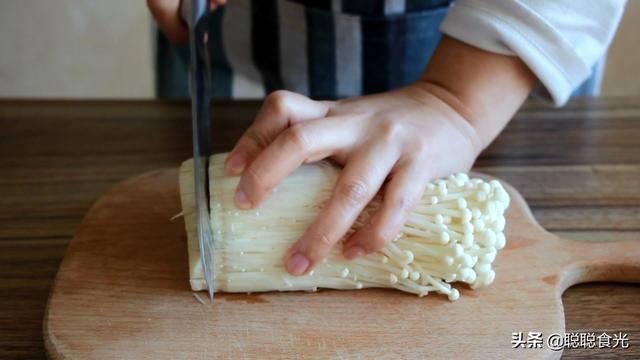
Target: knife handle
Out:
[192,11]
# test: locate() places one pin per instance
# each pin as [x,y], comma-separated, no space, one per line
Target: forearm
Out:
[483,87]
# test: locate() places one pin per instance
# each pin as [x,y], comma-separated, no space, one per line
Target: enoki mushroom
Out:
[452,235]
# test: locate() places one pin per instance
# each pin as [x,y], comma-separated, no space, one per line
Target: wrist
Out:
[462,116]
[485,88]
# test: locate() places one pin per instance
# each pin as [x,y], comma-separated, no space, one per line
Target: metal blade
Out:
[203,225]
[195,14]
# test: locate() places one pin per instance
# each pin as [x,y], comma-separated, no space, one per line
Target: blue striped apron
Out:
[325,49]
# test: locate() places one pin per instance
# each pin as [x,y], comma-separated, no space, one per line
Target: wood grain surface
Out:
[122,292]
[578,167]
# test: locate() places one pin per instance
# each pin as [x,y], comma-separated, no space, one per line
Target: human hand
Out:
[430,129]
[167,15]
[408,136]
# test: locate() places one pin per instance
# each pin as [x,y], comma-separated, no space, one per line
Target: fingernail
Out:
[236,164]
[297,264]
[241,200]
[354,252]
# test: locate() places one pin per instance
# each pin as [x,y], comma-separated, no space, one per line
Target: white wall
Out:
[75,48]
[103,49]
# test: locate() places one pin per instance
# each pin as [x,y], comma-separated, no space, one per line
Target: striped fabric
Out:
[326,49]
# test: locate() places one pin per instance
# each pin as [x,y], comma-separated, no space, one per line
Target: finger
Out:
[304,142]
[400,196]
[215,3]
[358,183]
[280,110]
[167,15]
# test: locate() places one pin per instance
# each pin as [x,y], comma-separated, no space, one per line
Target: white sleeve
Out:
[560,40]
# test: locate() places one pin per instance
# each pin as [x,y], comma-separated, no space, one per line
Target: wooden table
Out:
[578,167]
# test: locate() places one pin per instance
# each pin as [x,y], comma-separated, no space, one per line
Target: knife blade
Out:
[195,15]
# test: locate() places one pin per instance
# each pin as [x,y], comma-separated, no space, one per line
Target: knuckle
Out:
[277,101]
[254,180]
[390,130]
[417,152]
[402,203]
[378,240]
[332,112]
[320,244]
[324,240]
[256,137]
[421,146]
[297,136]
[354,191]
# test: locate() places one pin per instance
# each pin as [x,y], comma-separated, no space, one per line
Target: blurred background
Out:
[104,49]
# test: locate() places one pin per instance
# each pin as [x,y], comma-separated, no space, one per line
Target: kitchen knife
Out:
[195,15]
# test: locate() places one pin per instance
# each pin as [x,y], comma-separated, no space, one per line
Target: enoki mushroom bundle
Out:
[452,235]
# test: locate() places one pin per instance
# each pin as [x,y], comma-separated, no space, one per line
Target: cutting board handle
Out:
[585,261]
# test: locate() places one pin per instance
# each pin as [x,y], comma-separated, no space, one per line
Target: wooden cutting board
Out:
[122,291]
